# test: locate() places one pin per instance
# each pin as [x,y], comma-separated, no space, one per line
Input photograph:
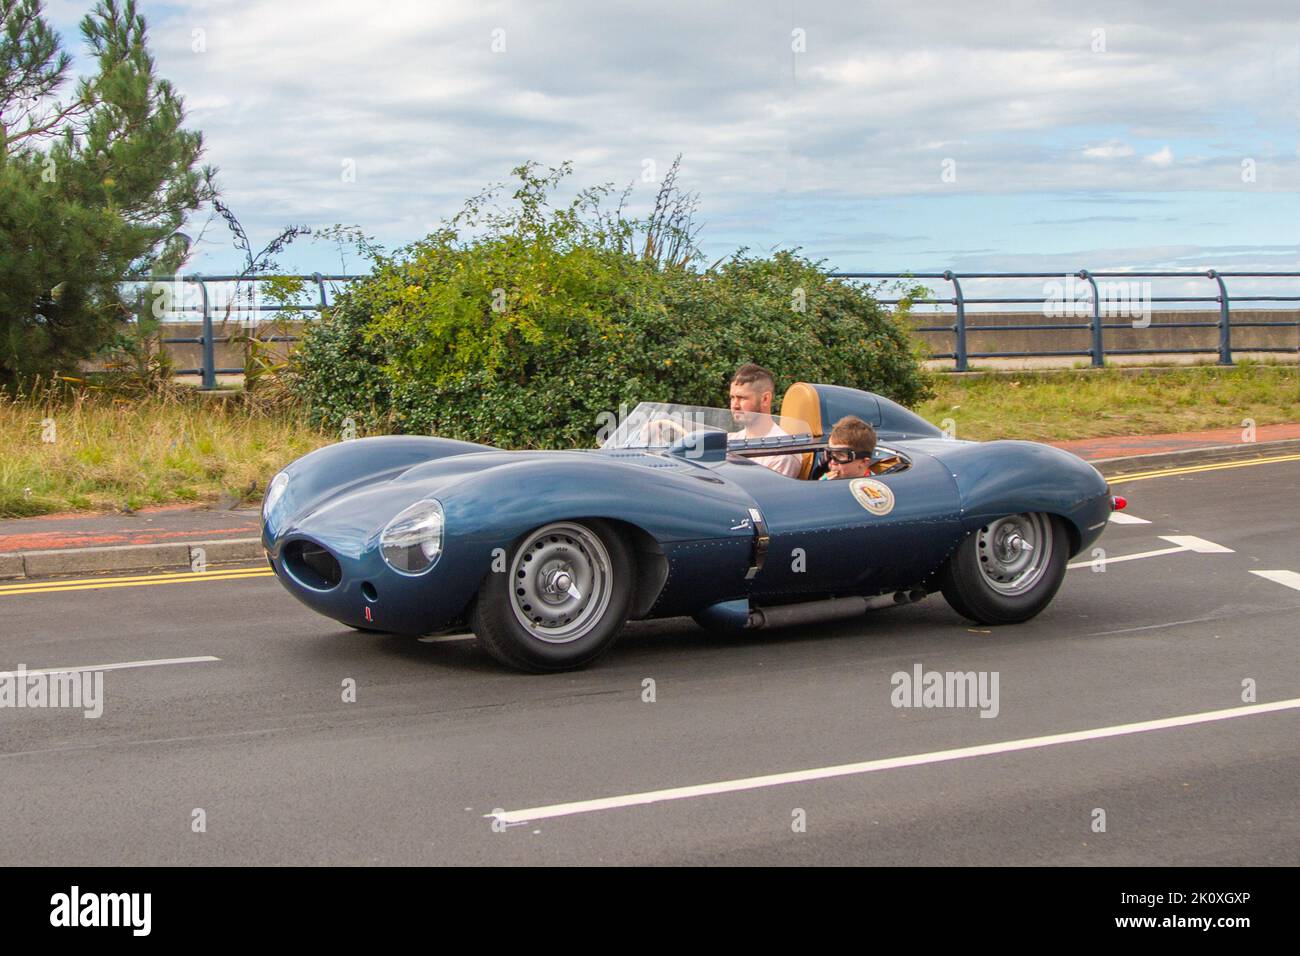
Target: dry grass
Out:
[109,453]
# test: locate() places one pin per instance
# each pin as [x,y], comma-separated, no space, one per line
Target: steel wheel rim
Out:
[1014,552]
[560,583]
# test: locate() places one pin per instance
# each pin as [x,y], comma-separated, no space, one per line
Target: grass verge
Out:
[90,452]
[1060,405]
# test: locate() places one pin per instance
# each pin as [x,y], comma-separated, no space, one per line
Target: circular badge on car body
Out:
[875,496]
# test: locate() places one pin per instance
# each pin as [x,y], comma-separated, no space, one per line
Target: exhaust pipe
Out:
[832,609]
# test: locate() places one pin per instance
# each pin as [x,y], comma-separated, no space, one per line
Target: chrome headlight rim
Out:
[415,532]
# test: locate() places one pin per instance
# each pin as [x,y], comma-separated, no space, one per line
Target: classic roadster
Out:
[545,554]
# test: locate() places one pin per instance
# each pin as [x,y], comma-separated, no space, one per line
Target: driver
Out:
[752,388]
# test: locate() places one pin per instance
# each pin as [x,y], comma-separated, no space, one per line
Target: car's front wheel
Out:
[1008,570]
[562,599]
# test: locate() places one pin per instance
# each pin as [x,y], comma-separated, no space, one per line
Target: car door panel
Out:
[824,537]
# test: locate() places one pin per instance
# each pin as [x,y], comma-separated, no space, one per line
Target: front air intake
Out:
[312,566]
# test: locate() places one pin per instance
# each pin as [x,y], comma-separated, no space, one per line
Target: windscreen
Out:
[660,425]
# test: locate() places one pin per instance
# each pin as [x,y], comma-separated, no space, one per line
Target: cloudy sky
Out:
[880,136]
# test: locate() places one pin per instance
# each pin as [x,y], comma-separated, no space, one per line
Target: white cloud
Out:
[1111,150]
[411,90]
[1164,157]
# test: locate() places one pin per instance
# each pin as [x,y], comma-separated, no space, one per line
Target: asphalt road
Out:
[439,737]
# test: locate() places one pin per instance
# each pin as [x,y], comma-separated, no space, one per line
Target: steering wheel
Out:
[658,426]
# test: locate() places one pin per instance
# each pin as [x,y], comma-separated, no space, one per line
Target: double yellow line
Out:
[1196,469]
[137,581]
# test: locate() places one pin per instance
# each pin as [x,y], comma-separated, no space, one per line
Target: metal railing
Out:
[1095,325]
[208,339]
[960,329]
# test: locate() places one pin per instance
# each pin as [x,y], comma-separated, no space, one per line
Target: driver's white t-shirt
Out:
[788,465]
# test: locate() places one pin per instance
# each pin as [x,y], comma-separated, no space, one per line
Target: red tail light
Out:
[1118,504]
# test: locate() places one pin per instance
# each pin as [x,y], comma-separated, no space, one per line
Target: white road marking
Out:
[1199,545]
[443,638]
[1182,542]
[118,667]
[1124,557]
[1123,517]
[1290,578]
[889,763]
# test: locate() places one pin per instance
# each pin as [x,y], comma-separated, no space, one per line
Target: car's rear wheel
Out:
[1008,570]
[562,600]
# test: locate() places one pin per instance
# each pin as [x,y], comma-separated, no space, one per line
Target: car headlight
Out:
[274,492]
[412,541]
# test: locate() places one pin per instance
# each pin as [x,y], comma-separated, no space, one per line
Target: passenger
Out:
[849,448]
[752,389]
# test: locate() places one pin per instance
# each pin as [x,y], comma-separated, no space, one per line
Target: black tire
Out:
[982,585]
[600,570]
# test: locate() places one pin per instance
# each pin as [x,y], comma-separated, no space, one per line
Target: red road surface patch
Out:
[53,540]
[1122,446]
[148,526]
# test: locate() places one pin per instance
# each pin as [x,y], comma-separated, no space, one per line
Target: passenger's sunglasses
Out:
[842,456]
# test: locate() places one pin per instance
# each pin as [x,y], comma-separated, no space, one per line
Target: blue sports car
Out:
[545,554]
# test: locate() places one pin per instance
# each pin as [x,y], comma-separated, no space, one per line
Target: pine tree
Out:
[94,188]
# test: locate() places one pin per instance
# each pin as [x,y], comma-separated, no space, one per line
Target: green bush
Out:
[518,327]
